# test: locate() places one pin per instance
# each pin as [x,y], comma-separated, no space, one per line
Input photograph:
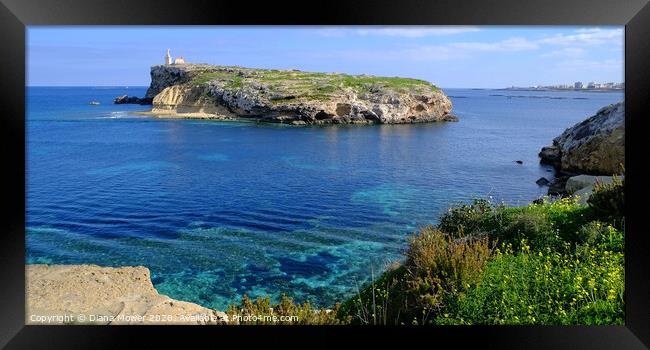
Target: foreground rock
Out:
[577,183]
[293,97]
[60,294]
[595,146]
[582,186]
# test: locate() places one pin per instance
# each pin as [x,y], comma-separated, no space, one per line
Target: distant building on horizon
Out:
[578,85]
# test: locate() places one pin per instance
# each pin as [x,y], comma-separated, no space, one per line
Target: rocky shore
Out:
[590,151]
[125,99]
[90,294]
[292,96]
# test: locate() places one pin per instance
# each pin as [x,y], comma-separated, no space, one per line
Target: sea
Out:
[219,209]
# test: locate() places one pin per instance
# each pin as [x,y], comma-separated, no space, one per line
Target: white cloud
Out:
[567,52]
[415,32]
[512,44]
[586,36]
[608,64]
[415,53]
[574,45]
[397,31]
[428,53]
[331,32]
[458,50]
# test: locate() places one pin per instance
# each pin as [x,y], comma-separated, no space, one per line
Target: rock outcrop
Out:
[294,97]
[90,294]
[125,99]
[163,76]
[595,146]
[577,183]
[582,186]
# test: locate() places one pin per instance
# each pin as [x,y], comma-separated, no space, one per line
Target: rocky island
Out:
[290,96]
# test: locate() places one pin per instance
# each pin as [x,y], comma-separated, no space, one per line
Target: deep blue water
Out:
[219,209]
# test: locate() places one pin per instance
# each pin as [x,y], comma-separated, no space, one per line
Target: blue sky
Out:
[449,56]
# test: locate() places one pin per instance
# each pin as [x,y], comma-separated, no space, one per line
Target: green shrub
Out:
[437,264]
[538,223]
[306,314]
[380,301]
[532,226]
[467,219]
[608,201]
[542,224]
[565,214]
[551,288]
[602,236]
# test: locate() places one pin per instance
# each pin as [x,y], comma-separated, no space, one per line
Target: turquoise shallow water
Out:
[219,209]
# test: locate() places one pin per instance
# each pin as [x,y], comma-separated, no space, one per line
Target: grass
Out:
[206,76]
[305,86]
[286,312]
[548,287]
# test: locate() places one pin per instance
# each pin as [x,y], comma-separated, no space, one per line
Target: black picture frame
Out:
[15,15]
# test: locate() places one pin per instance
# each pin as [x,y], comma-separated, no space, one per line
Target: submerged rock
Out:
[293,97]
[557,186]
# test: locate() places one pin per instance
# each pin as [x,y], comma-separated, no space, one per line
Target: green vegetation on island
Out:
[307,85]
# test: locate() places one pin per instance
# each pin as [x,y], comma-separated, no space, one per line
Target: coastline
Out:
[193,115]
[172,114]
[95,295]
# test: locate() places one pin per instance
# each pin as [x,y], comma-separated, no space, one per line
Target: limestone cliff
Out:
[595,146]
[291,96]
[89,294]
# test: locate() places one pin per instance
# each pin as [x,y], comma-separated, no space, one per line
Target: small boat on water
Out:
[94,103]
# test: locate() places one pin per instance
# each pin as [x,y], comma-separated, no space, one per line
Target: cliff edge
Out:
[90,294]
[292,96]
